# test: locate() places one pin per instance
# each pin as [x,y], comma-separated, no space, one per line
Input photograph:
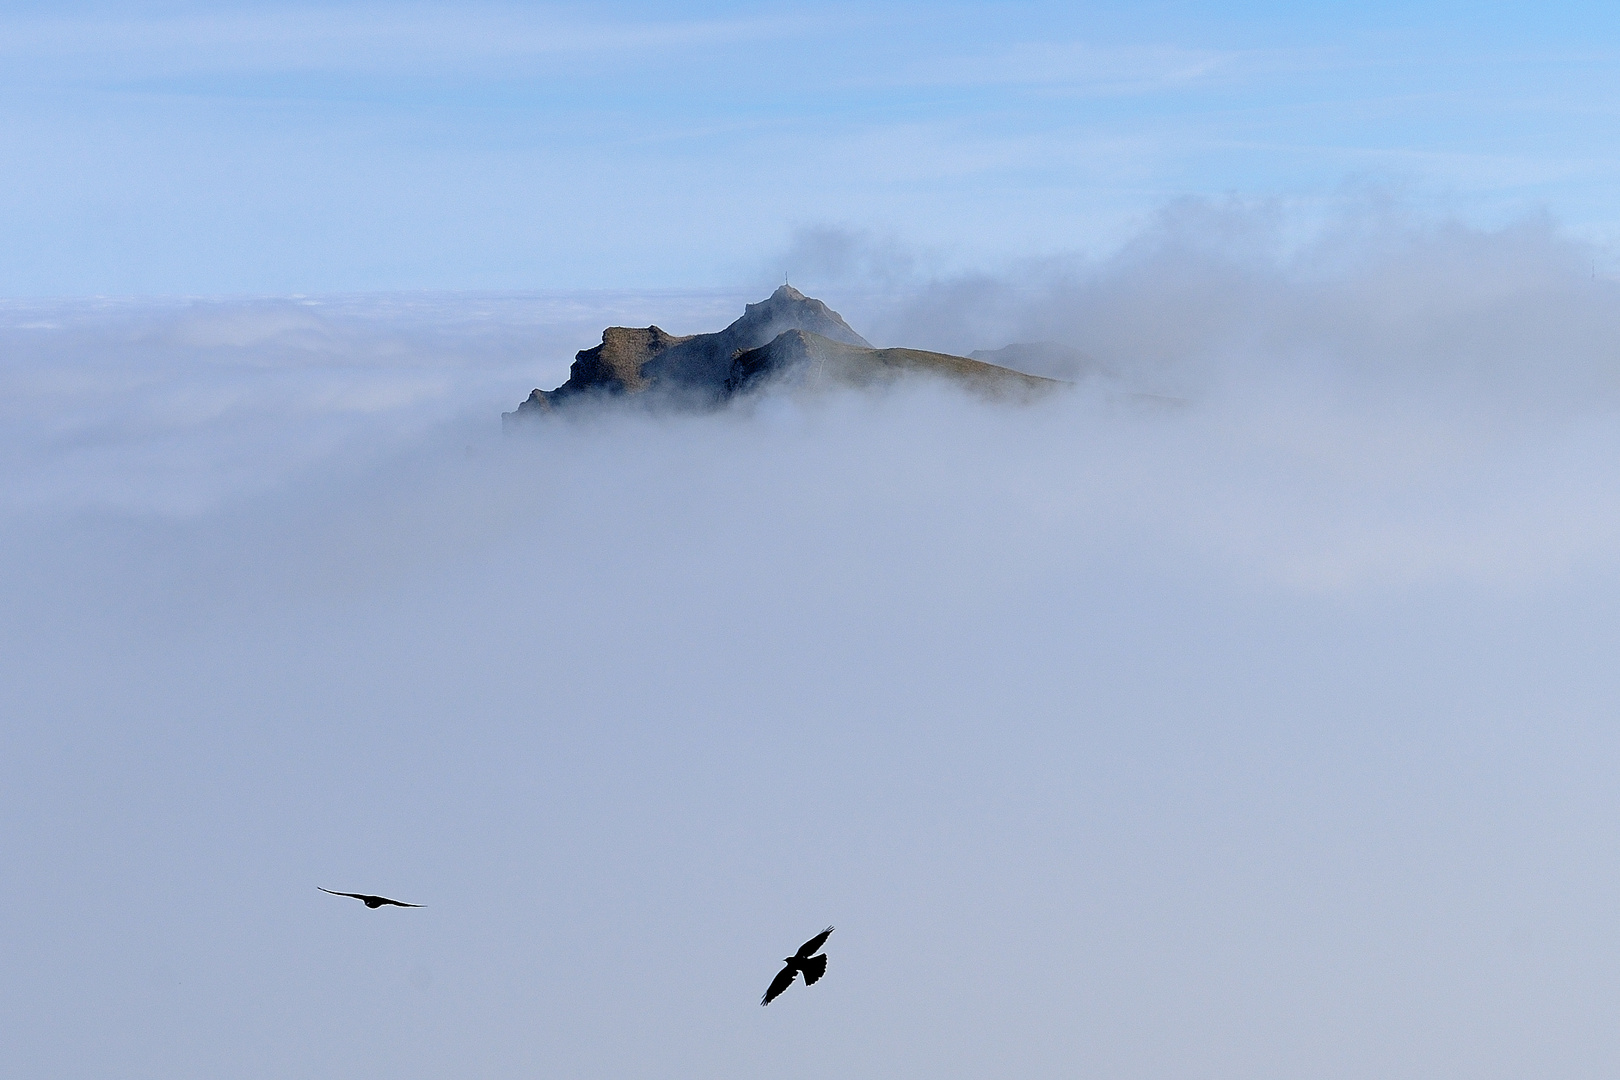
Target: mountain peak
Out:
[788,309]
[773,335]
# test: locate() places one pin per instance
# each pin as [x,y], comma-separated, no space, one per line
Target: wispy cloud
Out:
[357,39]
[1074,65]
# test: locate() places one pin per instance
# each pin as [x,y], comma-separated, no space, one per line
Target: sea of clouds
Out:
[1246,710]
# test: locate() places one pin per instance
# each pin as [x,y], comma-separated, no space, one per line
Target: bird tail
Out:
[814,968]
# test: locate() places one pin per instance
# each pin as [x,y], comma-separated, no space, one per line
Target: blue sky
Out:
[274,148]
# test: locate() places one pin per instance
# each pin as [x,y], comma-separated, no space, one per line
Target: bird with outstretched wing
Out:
[369,900]
[805,960]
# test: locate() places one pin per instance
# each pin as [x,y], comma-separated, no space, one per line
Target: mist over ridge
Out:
[1382,354]
[1214,292]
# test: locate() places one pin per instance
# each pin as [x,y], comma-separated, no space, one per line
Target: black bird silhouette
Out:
[814,967]
[371,901]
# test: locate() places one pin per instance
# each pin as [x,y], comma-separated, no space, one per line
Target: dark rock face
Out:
[617,363]
[788,337]
[690,370]
[699,367]
[613,367]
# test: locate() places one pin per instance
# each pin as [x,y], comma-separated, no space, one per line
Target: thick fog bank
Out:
[1265,734]
[174,405]
[1371,301]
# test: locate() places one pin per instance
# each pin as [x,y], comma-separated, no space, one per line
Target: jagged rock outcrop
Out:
[787,337]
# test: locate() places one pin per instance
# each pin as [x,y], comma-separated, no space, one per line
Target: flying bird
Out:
[371,901]
[805,960]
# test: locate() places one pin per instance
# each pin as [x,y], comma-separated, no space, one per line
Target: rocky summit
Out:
[787,339]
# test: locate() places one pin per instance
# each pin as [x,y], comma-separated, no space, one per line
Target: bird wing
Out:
[814,968]
[783,980]
[809,947]
[369,900]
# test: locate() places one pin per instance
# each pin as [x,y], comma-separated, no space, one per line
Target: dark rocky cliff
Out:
[692,369]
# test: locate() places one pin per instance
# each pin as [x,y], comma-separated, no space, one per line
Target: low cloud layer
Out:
[1260,732]
[173,406]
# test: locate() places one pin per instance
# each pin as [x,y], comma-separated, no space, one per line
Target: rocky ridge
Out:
[788,338]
